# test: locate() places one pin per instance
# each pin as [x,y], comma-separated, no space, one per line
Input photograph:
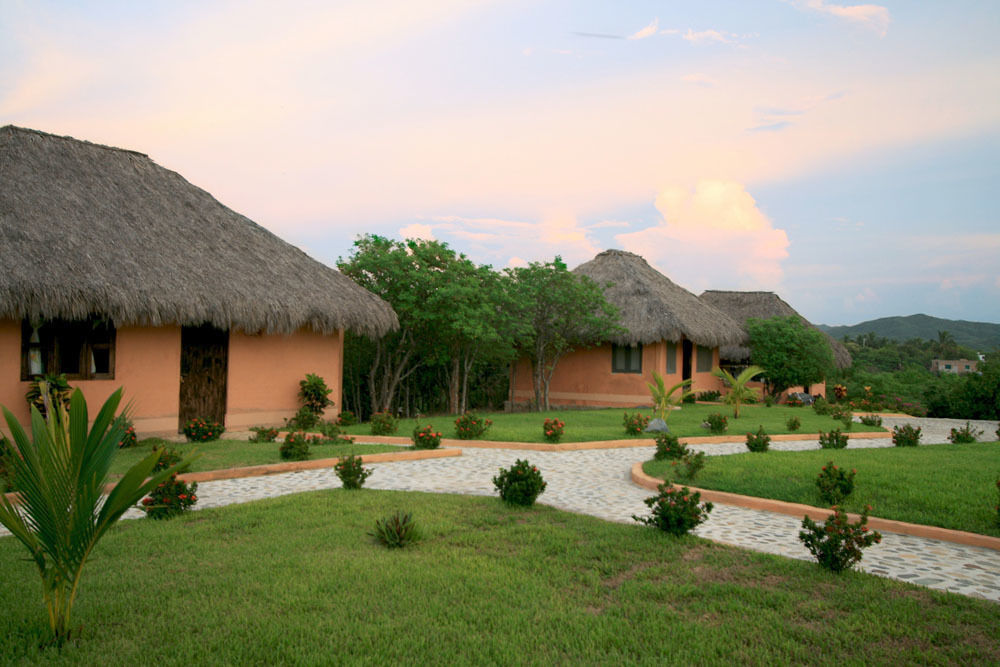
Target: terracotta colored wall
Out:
[264,374]
[147,365]
[584,378]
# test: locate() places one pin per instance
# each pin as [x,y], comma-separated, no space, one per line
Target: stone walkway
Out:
[596,482]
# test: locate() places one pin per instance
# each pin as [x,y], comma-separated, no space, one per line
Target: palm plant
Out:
[663,398]
[60,473]
[739,393]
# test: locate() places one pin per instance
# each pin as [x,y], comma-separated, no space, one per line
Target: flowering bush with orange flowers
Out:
[553,429]
[840,391]
[675,511]
[837,544]
[351,473]
[383,423]
[295,447]
[636,423]
[835,484]
[129,438]
[169,498]
[202,430]
[471,426]
[520,484]
[426,438]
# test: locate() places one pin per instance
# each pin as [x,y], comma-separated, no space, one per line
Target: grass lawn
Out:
[952,486]
[219,454]
[296,579]
[591,425]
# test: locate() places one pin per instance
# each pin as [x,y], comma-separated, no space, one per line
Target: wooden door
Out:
[204,368]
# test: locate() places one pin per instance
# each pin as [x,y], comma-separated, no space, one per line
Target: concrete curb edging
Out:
[640,478]
[604,444]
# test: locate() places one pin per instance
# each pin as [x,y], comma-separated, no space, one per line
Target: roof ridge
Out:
[48,135]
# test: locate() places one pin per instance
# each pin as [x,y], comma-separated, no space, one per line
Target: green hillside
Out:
[980,336]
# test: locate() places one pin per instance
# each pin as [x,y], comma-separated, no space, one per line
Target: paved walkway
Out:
[596,482]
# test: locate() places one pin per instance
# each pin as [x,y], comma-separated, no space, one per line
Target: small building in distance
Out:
[119,273]
[669,331]
[956,366]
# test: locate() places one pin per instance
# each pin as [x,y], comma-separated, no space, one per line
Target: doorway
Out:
[687,350]
[204,369]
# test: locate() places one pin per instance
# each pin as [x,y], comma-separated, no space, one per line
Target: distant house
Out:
[742,306]
[670,331]
[118,272]
[957,366]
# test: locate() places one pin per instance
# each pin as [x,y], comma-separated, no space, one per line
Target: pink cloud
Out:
[874,17]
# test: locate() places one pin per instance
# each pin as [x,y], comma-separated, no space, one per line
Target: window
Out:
[704,359]
[671,358]
[82,349]
[947,367]
[626,358]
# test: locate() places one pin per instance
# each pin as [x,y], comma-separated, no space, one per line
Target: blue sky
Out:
[840,154]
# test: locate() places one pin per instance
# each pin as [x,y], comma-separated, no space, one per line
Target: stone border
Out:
[292,466]
[640,478]
[603,444]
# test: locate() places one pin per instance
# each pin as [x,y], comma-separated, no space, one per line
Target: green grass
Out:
[297,579]
[952,486]
[592,425]
[220,454]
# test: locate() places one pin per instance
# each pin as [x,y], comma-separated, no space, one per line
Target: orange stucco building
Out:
[117,272]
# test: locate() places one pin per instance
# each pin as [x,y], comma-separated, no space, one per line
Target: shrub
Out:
[716,423]
[688,398]
[793,423]
[347,418]
[758,442]
[396,530]
[383,423]
[967,433]
[426,438]
[837,544]
[835,484]
[675,511]
[769,401]
[793,401]
[669,447]
[6,476]
[303,420]
[553,429]
[821,406]
[351,472]
[520,484]
[166,458]
[129,438]
[263,434]
[314,394]
[997,508]
[169,498]
[906,435]
[839,392]
[710,396]
[832,440]
[295,447]
[202,430]
[998,433]
[471,426]
[635,424]
[844,416]
[328,429]
[689,465]
[871,420]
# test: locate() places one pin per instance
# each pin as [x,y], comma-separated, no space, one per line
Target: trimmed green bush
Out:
[675,511]
[521,484]
[838,543]
[832,440]
[759,442]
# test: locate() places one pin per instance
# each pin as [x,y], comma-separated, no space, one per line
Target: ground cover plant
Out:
[222,454]
[587,591]
[591,425]
[396,530]
[949,486]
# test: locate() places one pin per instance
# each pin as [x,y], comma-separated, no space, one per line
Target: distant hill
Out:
[981,336]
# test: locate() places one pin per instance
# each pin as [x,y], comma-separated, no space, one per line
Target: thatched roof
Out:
[89,229]
[653,308]
[741,306]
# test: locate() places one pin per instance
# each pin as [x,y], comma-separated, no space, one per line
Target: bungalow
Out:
[742,306]
[670,331]
[118,272]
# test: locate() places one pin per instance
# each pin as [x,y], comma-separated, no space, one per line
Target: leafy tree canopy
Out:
[790,352]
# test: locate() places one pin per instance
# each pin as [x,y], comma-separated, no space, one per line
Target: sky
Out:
[842,155]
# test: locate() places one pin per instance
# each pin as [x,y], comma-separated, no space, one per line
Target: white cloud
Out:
[962,281]
[417,231]
[699,79]
[609,223]
[873,17]
[648,31]
[713,236]
[708,36]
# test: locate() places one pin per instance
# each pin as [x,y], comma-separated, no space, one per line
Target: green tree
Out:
[554,312]
[664,400]
[790,352]
[739,393]
[60,473]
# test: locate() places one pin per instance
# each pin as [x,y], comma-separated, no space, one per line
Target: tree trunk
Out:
[469,360]
[454,381]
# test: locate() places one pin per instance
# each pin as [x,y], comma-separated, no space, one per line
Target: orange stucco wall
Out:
[584,378]
[265,371]
[147,365]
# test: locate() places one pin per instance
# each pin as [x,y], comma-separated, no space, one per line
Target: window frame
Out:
[632,361]
[53,334]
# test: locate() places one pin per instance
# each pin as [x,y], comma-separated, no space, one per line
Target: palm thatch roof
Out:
[89,229]
[653,308]
[741,306]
